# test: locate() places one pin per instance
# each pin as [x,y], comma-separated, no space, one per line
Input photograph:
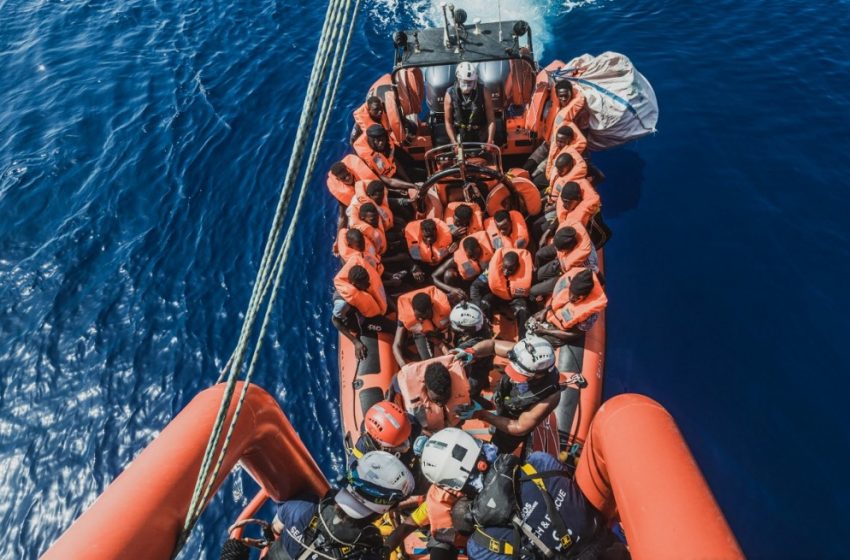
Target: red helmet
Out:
[387,423]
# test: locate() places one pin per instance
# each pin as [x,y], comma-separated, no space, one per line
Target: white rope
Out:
[335,17]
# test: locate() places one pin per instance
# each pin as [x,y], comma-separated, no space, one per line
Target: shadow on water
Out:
[623,170]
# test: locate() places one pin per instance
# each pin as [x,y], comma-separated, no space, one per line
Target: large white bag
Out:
[622,104]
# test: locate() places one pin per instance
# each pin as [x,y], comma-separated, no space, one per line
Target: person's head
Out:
[359,277]
[375,108]
[341,172]
[388,426]
[438,383]
[466,317]
[530,357]
[563,91]
[581,285]
[503,222]
[376,482]
[564,164]
[510,263]
[376,191]
[450,457]
[570,195]
[565,239]
[429,231]
[564,136]
[467,77]
[378,138]
[463,215]
[423,308]
[354,239]
[369,214]
[472,248]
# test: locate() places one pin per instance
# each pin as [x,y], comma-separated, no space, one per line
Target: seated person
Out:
[429,242]
[368,221]
[507,229]
[432,390]
[571,106]
[359,303]
[577,202]
[468,108]
[456,275]
[577,300]
[507,278]
[424,313]
[542,160]
[569,166]
[570,247]
[380,152]
[341,179]
[371,112]
[374,192]
[463,219]
[351,242]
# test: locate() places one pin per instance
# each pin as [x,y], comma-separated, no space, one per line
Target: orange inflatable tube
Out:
[637,466]
[151,497]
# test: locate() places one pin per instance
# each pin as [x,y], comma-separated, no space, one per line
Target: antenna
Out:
[499,8]
[446,40]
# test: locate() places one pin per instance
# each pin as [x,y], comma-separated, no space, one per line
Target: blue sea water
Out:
[142,146]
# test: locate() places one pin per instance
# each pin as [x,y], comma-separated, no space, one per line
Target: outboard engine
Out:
[493,74]
[437,80]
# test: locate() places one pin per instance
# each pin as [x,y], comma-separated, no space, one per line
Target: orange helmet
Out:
[387,423]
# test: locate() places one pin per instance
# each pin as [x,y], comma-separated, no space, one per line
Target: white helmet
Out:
[449,458]
[466,317]
[376,482]
[532,355]
[467,76]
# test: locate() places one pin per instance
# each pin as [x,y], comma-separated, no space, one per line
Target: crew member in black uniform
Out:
[469,108]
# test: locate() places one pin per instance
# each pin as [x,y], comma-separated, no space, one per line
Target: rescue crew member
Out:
[528,392]
[432,390]
[577,300]
[508,278]
[359,303]
[507,229]
[468,108]
[570,247]
[449,477]
[340,525]
[469,326]
[457,274]
[371,112]
[424,313]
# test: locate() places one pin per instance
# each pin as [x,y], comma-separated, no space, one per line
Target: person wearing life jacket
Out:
[449,474]
[528,392]
[568,166]
[341,524]
[432,391]
[570,247]
[457,274]
[577,300]
[424,313]
[463,219]
[507,229]
[508,278]
[374,192]
[368,221]
[371,112]
[380,152]
[386,427]
[341,180]
[469,326]
[541,162]
[468,108]
[428,242]
[571,107]
[578,202]
[359,303]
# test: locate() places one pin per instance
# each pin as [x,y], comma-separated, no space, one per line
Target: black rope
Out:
[234,549]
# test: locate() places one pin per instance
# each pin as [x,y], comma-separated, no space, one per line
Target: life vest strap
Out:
[530,473]
[497,546]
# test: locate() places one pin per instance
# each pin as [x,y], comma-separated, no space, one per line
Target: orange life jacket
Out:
[578,144]
[360,198]
[358,168]
[339,190]
[477,223]
[542,99]
[431,416]
[411,90]
[377,162]
[436,512]
[558,117]
[589,205]
[517,285]
[518,239]
[579,171]
[469,268]
[419,250]
[364,121]
[376,235]
[383,88]
[372,302]
[439,320]
[565,315]
[529,194]
[577,256]
[370,254]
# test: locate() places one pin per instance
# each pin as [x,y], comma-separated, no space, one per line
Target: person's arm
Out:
[341,219]
[398,341]
[566,336]
[526,422]
[400,533]
[437,277]
[491,117]
[354,336]
[448,112]
[398,185]
[537,157]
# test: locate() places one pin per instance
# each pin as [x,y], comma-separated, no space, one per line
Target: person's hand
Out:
[467,411]
[335,249]
[360,351]
[457,294]
[461,232]
[418,274]
[453,247]
[461,355]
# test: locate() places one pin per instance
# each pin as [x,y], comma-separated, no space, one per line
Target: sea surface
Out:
[142,147]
